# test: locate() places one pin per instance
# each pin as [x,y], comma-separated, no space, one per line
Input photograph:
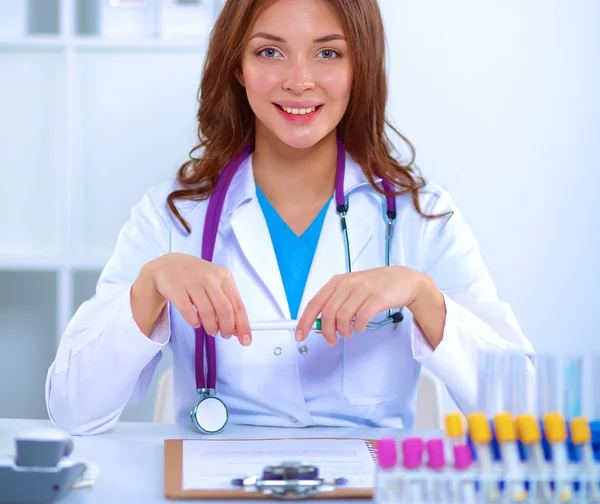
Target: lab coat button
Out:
[303,349]
[293,419]
[277,351]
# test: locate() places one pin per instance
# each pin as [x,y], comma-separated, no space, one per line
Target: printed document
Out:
[211,465]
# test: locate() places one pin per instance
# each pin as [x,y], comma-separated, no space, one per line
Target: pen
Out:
[280,325]
[528,429]
[555,431]
[506,433]
[581,435]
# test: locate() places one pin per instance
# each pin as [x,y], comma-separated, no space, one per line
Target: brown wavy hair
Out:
[226,121]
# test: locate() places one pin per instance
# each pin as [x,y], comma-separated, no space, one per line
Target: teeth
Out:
[299,111]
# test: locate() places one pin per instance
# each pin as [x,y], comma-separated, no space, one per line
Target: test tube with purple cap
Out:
[439,487]
[412,461]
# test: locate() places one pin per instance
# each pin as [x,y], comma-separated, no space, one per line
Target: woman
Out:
[303,84]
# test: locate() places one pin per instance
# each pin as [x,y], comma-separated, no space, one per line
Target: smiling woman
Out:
[258,232]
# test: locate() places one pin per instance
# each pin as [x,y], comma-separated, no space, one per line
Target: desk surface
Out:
[130,457]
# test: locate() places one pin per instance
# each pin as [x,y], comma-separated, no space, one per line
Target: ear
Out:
[240,77]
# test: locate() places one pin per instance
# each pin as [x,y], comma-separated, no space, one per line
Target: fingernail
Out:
[246,340]
[299,335]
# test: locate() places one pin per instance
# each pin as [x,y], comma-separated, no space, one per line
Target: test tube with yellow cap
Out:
[581,436]
[455,428]
[528,430]
[481,436]
[555,430]
[506,434]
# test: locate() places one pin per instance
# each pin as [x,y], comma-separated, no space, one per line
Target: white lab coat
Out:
[105,363]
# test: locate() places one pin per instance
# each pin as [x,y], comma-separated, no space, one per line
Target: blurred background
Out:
[501,100]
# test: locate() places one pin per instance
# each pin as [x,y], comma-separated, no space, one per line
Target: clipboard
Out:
[173,461]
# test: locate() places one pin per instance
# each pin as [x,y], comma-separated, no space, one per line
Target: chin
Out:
[301,140]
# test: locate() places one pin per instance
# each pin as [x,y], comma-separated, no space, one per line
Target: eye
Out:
[269,53]
[329,54]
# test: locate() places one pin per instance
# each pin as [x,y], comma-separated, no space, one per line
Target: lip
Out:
[298,118]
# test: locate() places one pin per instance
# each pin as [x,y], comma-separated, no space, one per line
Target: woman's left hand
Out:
[353,299]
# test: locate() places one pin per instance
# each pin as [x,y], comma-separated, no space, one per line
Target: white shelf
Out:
[48,264]
[92,123]
[44,44]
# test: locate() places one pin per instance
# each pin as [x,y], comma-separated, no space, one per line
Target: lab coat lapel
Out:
[330,254]
[251,231]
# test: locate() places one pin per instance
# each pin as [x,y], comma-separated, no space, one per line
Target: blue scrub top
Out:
[294,253]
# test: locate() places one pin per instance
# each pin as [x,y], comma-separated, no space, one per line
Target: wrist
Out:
[429,309]
[146,302]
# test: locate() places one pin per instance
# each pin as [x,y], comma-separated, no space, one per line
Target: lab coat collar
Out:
[243,185]
[242,208]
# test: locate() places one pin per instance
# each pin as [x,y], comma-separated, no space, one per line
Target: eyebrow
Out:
[275,38]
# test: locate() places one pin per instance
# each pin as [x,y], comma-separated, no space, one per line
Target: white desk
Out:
[130,456]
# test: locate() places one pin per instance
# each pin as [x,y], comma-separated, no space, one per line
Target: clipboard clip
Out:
[290,480]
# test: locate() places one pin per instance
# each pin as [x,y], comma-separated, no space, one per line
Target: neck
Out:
[285,173]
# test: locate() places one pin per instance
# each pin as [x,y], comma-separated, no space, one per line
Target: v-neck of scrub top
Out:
[294,253]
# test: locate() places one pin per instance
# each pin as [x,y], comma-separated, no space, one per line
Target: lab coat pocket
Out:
[376,365]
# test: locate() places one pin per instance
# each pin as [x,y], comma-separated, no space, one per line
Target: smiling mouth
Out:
[299,111]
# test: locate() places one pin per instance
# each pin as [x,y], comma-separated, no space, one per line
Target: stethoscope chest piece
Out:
[210,414]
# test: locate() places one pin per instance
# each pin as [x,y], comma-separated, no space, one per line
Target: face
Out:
[297,72]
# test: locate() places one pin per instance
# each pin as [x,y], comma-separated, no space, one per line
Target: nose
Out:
[299,77]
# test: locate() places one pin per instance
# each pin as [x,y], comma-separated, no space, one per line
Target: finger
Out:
[240,317]
[223,310]
[347,312]
[365,314]
[205,310]
[329,315]
[312,310]
[186,308]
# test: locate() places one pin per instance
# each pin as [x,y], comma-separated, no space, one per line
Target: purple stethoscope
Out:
[209,415]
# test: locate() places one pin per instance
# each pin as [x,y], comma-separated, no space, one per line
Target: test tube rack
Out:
[516,448]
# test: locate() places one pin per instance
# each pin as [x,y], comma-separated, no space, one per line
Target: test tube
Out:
[555,429]
[506,434]
[455,428]
[439,489]
[547,385]
[581,436]
[412,460]
[387,488]
[572,387]
[481,435]
[489,383]
[528,429]
[516,390]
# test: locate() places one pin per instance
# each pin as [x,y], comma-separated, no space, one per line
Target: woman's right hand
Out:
[203,292]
